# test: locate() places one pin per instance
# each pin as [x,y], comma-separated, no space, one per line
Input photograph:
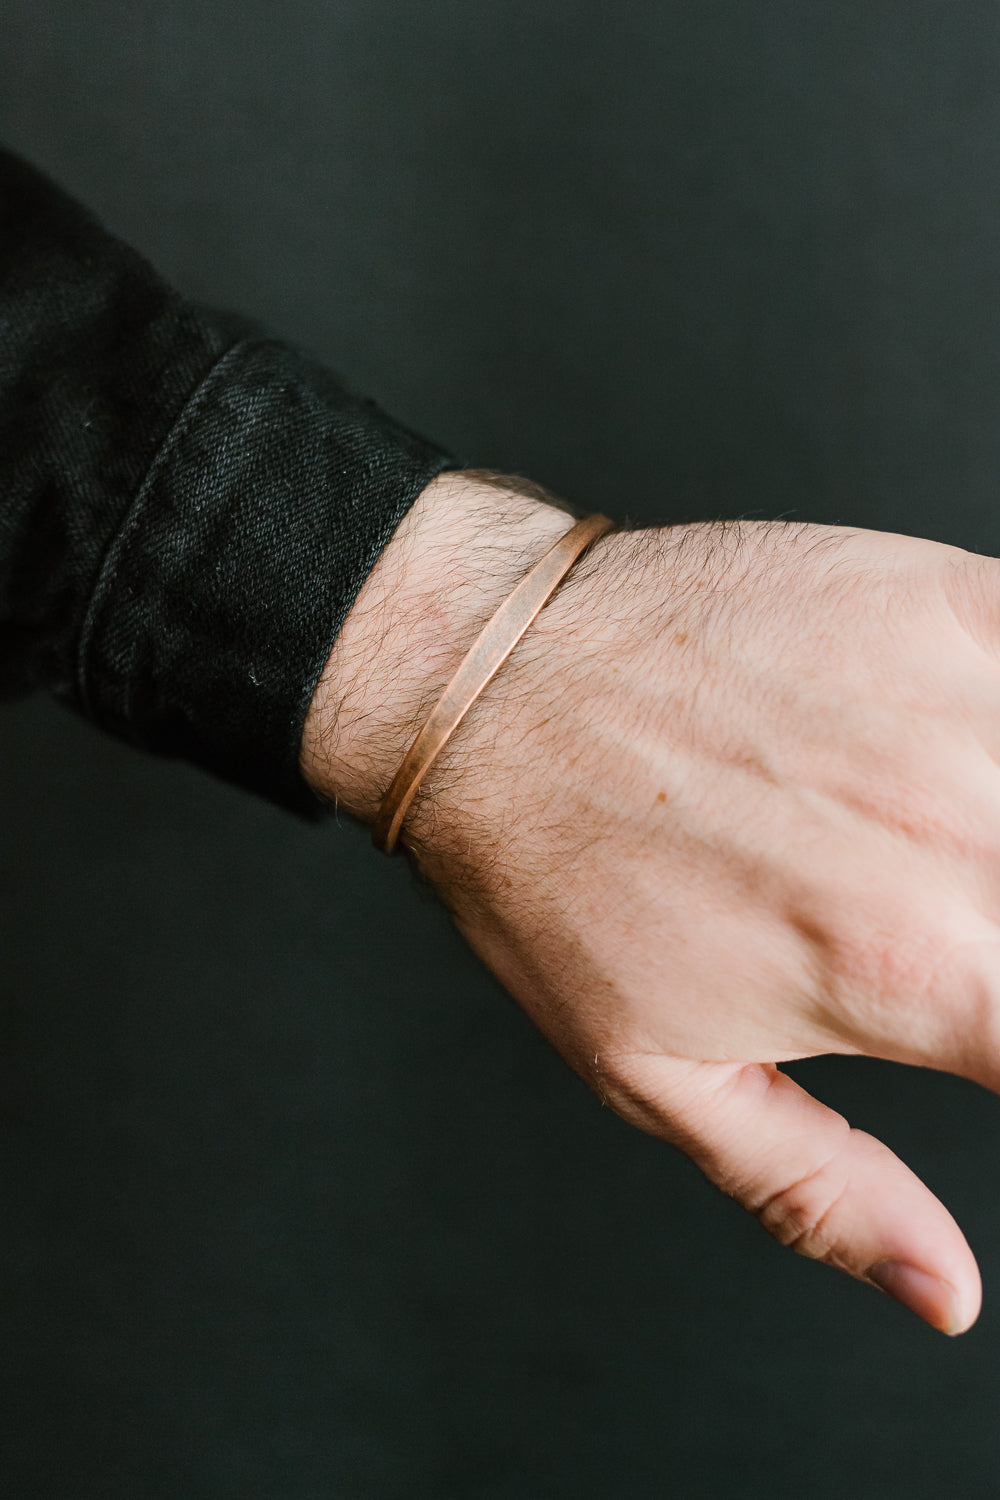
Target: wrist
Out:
[458,553]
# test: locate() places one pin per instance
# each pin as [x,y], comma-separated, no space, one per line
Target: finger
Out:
[829,1192]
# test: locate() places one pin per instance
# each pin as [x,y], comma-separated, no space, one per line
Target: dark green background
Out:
[293,1202]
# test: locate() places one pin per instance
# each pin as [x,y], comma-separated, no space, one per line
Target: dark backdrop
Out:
[293,1202]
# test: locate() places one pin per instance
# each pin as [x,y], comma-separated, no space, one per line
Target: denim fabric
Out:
[186,515]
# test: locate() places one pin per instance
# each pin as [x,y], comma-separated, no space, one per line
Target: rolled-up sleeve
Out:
[187,511]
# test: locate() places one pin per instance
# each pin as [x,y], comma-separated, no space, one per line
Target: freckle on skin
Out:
[661,796]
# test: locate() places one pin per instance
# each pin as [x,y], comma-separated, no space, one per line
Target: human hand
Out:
[732,801]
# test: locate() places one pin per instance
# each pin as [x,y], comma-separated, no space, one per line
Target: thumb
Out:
[829,1192]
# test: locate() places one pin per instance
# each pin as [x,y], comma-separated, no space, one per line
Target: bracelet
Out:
[489,651]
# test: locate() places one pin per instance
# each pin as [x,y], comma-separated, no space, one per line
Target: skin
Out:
[733,800]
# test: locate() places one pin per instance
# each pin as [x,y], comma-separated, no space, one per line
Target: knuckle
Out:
[802,1215]
[927,992]
[897,980]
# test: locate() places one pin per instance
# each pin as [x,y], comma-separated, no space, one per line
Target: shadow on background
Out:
[295,1202]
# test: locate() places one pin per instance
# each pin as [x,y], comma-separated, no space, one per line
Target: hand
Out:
[733,800]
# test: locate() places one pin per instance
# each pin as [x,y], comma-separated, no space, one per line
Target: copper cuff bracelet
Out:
[489,651]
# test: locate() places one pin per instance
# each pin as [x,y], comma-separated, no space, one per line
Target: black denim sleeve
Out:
[186,514]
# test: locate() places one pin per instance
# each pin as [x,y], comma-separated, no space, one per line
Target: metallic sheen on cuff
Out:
[487,655]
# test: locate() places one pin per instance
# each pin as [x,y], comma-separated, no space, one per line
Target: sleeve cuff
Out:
[219,600]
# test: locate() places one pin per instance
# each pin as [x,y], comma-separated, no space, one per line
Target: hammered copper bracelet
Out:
[489,651]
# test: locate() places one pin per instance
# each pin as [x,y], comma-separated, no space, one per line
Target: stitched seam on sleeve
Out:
[132,520]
